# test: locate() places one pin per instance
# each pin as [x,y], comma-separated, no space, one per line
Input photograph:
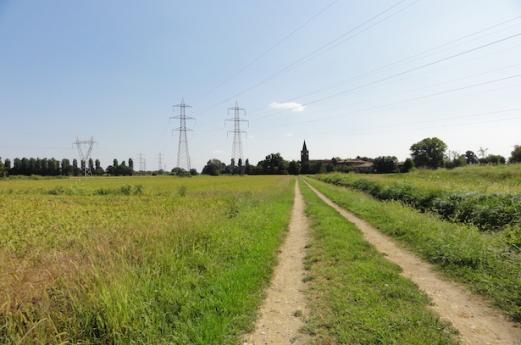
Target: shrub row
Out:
[60,190]
[486,211]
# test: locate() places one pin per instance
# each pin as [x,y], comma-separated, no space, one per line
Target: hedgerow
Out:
[487,211]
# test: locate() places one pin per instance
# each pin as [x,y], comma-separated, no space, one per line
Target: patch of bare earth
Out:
[471,315]
[282,313]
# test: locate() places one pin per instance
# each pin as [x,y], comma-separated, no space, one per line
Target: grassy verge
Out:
[480,260]
[358,297]
[488,211]
[169,265]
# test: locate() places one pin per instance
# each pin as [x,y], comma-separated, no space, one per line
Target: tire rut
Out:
[284,308]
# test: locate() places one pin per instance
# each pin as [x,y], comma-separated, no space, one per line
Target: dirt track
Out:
[477,323]
[284,308]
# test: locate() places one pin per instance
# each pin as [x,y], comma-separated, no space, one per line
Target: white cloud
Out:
[293,106]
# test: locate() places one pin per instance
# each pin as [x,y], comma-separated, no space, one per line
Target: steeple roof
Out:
[304,148]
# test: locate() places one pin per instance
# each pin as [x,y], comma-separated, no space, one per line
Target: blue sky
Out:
[113,69]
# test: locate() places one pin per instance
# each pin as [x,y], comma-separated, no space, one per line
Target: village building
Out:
[356,165]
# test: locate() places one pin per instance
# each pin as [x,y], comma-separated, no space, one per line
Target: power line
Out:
[414,69]
[406,59]
[351,33]
[448,91]
[452,90]
[373,130]
[271,48]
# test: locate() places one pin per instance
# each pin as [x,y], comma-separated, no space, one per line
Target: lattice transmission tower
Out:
[183,157]
[142,163]
[84,155]
[237,132]
[160,162]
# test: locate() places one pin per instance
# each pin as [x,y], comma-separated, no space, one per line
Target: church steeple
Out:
[304,154]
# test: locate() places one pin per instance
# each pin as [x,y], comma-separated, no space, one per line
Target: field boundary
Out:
[470,314]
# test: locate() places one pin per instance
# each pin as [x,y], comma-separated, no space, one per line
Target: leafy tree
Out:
[91,166]
[330,167]
[515,156]
[83,167]
[7,166]
[214,167]
[457,161]
[493,159]
[75,169]
[471,157]
[293,168]
[17,167]
[247,167]
[385,164]
[428,153]
[193,172]
[407,166]
[2,168]
[66,167]
[98,170]
[240,167]
[131,164]
[316,167]
[180,172]
[274,164]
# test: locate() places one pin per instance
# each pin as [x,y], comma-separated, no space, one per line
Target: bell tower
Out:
[304,154]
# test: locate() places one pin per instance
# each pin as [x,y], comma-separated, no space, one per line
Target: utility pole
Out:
[183,157]
[85,155]
[237,132]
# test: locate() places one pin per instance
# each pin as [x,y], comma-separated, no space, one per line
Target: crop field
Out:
[138,260]
[452,218]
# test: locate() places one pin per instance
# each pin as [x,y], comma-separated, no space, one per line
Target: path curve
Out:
[283,310]
[476,321]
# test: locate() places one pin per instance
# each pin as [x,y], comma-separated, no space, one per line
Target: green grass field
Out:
[140,260]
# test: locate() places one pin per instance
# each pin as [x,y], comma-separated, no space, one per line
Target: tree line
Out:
[64,167]
[430,153]
[272,164]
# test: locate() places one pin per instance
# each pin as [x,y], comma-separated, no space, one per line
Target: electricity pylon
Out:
[237,132]
[85,155]
[183,157]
